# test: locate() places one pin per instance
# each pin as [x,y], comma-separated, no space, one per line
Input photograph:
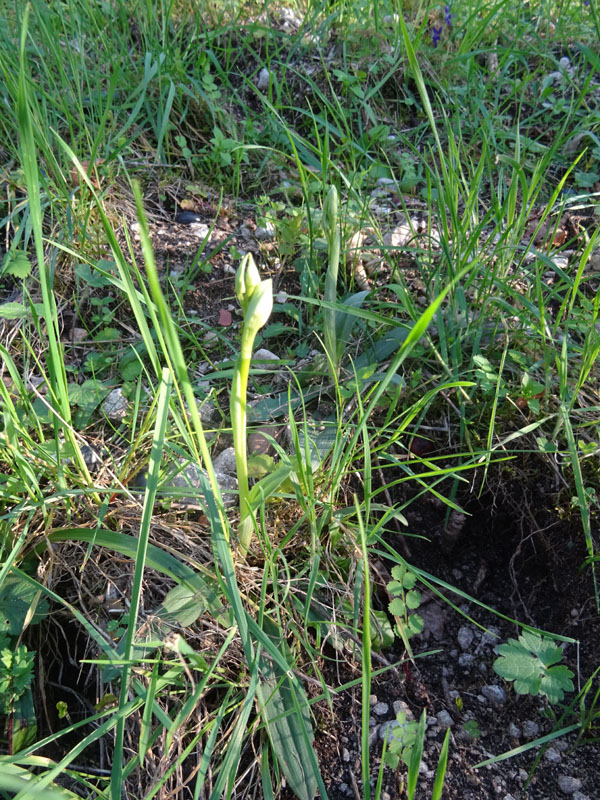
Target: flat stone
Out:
[116,405]
[381,708]
[568,784]
[264,355]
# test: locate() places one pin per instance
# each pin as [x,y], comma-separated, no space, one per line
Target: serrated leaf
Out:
[527,663]
[17,264]
[409,580]
[413,599]
[397,607]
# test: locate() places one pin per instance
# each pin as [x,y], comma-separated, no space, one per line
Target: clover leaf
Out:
[530,662]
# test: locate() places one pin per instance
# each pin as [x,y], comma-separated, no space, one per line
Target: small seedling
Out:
[400,740]
[531,662]
[405,599]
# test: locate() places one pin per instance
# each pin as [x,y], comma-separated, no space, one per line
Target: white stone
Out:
[263,354]
[262,84]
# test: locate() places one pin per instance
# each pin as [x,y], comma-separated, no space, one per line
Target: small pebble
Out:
[568,784]
[552,755]
[262,84]
[345,754]
[580,796]
[530,729]
[380,709]
[465,659]
[513,731]
[444,720]
[400,706]
[387,729]
[491,635]
[264,355]
[495,694]
[465,637]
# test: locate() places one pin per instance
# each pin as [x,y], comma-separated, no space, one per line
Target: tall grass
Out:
[490,328]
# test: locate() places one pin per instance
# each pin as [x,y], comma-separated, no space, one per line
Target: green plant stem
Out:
[239,389]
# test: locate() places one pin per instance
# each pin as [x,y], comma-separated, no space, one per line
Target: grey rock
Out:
[465,660]
[513,730]
[183,486]
[444,720]
[262,84]
[491,635]
[552,755]
[225,462]
[387,729]
[345,754]
[465,637]
[495,694]
[531,729]
[568,784]
[580,796]
[262,354]
[115,405]
[380,709]
[400,706]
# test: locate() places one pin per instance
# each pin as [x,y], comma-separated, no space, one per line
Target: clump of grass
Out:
[484,324]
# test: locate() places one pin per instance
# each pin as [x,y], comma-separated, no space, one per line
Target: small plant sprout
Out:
[531,663]
[256,300]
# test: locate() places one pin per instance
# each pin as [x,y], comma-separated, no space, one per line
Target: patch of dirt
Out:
[517,555]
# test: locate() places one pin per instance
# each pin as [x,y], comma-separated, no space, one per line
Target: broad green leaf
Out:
[284,708]
[527,661]
[16,598]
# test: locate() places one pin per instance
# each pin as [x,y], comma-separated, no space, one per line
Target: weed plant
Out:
[475,127]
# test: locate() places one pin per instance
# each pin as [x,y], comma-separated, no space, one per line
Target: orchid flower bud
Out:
[247,278]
